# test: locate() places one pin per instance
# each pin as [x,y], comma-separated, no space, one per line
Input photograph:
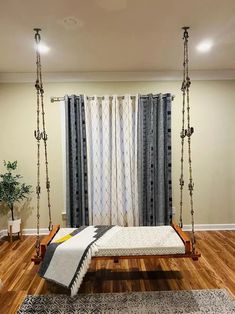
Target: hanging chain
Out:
[38,137]
[186,132]
[182,136]
[41,135]
[45,137]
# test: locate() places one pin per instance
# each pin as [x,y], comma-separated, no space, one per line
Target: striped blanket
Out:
[67,259]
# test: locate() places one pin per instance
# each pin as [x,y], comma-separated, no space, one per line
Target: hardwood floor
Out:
[215,269]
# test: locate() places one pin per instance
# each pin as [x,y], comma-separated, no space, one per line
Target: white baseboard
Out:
[42,231]
[209,227]
[2,233]
[198,227]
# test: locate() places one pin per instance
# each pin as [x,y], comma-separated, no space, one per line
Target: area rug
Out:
[176,302]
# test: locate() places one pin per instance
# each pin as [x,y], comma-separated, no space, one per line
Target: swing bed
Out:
[187,247]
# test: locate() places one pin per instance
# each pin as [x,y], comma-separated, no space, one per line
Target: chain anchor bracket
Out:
[37,35]
[185,34]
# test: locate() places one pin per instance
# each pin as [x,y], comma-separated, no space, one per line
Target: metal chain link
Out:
[40,135]
[186,132]
[37,135]
[45,137]
[182,135]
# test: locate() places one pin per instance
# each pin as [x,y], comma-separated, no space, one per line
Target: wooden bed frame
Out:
[184,237]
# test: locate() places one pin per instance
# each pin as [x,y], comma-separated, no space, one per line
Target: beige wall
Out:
[213,116]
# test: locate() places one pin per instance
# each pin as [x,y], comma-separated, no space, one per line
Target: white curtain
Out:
[111,128]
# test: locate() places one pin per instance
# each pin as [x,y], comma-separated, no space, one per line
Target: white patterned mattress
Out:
[124,241]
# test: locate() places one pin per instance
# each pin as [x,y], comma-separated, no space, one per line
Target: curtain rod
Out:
[54,99]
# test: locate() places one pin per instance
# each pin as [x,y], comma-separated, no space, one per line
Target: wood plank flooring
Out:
[215,269]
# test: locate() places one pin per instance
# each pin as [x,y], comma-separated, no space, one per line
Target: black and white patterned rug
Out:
[162,302]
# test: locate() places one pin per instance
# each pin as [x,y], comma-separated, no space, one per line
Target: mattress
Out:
[125,241]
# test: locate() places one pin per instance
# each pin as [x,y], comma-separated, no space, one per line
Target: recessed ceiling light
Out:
[205,45]
[42,48]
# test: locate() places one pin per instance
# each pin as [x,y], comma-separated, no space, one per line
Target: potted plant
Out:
[11,192]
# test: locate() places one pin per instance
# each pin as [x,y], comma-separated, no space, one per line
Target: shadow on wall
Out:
[26,210]
[3,216]
[22,211]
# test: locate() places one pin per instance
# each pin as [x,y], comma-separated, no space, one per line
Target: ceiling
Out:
[116,35]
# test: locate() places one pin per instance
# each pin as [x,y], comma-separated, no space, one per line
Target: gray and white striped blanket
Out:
[67,258]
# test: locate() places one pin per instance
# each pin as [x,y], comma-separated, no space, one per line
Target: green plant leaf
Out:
[11,189]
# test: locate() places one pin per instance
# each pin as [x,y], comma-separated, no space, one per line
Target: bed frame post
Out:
[184,237]
[44,244]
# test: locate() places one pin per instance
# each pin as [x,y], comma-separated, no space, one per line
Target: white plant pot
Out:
[15,225]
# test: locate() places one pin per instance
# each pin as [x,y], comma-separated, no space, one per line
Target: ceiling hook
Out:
[37,34]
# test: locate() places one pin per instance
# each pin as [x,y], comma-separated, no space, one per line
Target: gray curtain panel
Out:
[154,159]
[76,162]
